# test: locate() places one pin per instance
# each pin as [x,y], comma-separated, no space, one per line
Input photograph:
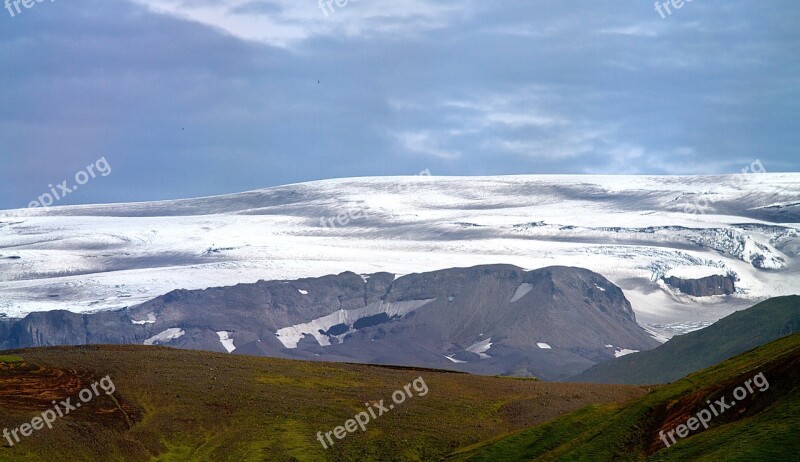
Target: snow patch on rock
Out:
[620,352]
[151,319]
[521,291]
[226,340]
[290,336]
[165,336]
[480,348]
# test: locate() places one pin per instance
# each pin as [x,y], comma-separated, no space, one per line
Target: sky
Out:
[187,98]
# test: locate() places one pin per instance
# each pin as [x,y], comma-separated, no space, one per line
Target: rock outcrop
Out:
[704,287]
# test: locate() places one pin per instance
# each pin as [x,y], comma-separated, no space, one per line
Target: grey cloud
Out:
[183,105]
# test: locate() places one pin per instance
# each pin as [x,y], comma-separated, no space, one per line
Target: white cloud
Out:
[535,123]
[636,30]
[519,122]
[428,143]
[633,159]
[522,119]
[284,23]
[559,145]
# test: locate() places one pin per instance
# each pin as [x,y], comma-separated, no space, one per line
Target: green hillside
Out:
[179,405]
[762,426]
[684,354]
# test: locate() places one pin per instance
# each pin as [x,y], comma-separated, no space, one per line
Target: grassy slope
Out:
[191,405]
[763,427]
[684,354]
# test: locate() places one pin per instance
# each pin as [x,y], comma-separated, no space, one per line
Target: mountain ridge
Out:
[491,319]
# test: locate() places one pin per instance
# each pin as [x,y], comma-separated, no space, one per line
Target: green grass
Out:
[192,405]
[199,406]
[531,443]
[10,359]
[764,428]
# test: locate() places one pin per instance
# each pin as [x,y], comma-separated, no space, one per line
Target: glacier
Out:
[634,230]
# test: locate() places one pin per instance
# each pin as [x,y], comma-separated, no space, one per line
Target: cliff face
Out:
[493,319]
[704,287]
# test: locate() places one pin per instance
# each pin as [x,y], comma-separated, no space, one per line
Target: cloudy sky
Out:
[187,98]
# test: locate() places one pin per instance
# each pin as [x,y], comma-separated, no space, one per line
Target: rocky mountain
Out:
[493,319]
